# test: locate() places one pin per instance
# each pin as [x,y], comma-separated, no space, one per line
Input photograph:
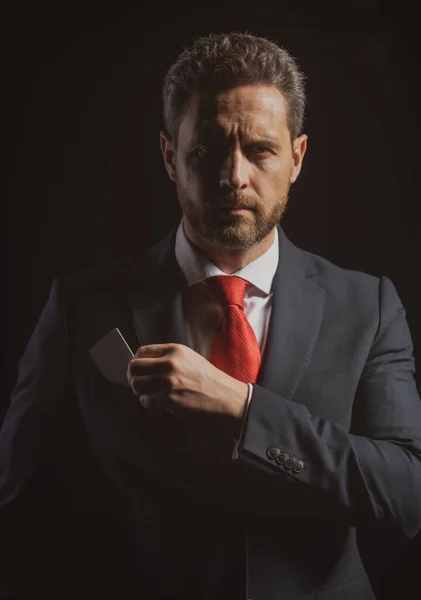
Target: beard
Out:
[235,232]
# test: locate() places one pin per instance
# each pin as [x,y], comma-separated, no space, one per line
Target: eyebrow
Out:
[264,141]
[209,134]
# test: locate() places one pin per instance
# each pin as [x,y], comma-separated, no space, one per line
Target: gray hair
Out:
[221,61]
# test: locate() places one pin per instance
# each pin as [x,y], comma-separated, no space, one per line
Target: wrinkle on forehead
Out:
[246,107]
[249,98]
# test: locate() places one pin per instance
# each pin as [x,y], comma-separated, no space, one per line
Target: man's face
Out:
[234,164]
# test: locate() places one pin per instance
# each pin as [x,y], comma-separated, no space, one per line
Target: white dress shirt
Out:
[203,313]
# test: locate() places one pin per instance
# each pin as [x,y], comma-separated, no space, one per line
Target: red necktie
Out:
[235,349]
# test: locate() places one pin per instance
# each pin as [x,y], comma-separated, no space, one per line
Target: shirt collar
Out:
[196,267]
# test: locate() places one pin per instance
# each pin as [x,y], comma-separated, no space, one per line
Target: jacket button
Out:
[282,458]
[273,452]
[291,462]
[299,466]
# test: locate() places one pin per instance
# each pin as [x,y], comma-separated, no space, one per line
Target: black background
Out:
[85,179]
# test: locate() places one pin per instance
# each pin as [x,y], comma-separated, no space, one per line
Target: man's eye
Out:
[199,152]
[260,149]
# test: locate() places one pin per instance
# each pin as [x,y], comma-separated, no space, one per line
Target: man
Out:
[278,417]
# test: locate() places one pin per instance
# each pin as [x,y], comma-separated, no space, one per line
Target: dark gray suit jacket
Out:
[329,468]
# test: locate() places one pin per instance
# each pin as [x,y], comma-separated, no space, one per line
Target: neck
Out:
[227,259]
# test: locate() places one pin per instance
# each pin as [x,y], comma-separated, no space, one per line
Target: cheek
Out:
[270,179]
[282,178]
[200,182]
[180,170]
[278,169]
[191,184]
[185,171]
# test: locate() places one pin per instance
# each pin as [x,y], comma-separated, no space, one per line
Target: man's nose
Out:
[234,171]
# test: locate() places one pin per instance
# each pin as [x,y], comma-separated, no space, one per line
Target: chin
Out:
[232,237]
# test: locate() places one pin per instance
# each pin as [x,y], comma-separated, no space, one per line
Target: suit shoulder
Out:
[344,286]
[335,274]
[108,277]
[362,296]
[352,292]
[121,274]
[324,270]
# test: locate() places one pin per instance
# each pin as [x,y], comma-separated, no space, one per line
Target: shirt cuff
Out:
[235,454]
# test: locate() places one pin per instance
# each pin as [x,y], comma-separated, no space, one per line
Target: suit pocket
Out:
[356,588]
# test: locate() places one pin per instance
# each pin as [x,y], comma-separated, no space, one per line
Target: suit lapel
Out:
[156,303]
[297,311]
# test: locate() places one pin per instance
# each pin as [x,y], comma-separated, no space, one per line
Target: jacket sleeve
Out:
[373,471]
[42,380]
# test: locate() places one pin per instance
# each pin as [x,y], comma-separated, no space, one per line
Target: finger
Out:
[148,366]
[155,401]
[148,385]
[154,350]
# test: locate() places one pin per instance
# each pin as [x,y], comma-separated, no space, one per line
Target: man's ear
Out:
[168,153]
[298,150]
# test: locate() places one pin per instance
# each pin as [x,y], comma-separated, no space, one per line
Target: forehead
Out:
[246,109]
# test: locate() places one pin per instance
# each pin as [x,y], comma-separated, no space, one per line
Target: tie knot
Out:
[229,289]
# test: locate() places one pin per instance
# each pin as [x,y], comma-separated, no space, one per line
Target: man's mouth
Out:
[233,207]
